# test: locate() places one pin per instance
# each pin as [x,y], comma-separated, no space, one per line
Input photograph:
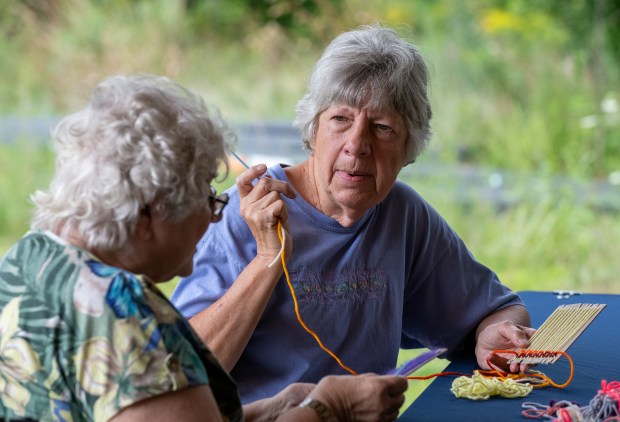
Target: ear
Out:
[144,227]
[315,130]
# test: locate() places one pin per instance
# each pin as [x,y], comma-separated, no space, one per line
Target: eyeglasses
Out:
[217,203]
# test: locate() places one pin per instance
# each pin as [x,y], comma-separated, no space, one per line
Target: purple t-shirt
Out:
[399,277]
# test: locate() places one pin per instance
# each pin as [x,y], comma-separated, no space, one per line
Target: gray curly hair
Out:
[371,60]
[142,140]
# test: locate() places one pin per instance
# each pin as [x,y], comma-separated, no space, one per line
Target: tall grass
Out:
[53,63]
[552,240]
[511,88]
[25,167]
[507,88]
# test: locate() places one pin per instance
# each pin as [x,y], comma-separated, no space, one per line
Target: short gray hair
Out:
[142,141]
[371,60]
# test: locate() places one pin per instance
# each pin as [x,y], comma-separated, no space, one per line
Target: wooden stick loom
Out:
[558,333]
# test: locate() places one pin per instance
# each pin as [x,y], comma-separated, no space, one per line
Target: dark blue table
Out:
[595,355]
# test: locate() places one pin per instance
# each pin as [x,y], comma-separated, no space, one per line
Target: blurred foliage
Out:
[526,87]
[519,85]
[26,167]
[236,19]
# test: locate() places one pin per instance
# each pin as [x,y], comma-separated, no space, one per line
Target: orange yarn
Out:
[546,381]
[301,321]
[523,376]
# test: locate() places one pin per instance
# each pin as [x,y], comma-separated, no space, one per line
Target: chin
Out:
[185,272]
[160,278]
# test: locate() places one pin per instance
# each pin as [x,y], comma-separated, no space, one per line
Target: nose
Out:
[358,139]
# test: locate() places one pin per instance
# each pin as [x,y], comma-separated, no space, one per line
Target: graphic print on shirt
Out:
[349,284]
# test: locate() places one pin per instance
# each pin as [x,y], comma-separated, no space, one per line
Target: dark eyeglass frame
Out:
[217,203]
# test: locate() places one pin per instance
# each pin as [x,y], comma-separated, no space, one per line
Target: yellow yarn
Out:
[479,387]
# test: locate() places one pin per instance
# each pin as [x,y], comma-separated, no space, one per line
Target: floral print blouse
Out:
[80,340]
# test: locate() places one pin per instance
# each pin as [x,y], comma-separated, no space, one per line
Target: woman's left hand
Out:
[505,335]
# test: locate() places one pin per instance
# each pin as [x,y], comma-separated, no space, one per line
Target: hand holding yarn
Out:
[264,210]
[504,335]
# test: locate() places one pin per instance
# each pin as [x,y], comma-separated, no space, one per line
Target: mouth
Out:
[353,176]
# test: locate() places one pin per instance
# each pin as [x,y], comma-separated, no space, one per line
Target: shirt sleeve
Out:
[134,347]
[448,291]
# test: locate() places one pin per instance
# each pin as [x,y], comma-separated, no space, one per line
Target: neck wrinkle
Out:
[302,179]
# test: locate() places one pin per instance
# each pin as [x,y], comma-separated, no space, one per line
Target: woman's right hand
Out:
[262,208]
[366,397]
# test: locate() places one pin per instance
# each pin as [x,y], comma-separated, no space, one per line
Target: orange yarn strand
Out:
[533,353]
[522,377]
[301,321]
[437,375]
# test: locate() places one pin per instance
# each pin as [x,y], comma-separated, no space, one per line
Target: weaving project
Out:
[558,332]
[547,345]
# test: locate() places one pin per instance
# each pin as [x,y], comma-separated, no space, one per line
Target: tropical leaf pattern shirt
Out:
[81,340]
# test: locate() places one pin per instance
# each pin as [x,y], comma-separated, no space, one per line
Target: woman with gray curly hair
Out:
[374,69]
[85,334]
[134,150]
[373,266]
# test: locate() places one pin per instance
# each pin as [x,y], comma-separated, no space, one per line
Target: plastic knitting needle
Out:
[281,229]
[415,363]
[239,159]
